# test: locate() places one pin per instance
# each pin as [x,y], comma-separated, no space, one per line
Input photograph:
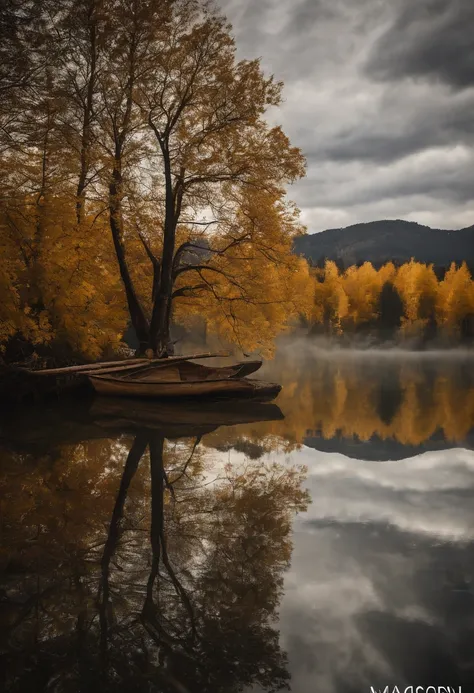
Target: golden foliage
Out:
[62,285]
[455,298]
[258,288]
[351,299]
[138,122]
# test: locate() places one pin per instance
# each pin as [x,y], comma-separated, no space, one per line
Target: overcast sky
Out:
[379,94]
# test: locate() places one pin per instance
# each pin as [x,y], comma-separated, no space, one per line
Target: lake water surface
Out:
[323,543]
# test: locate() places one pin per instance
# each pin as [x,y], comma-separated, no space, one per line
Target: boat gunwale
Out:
[232,372]
[124,380]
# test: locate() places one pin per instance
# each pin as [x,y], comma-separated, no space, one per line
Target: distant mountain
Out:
[379,242]
[377,449]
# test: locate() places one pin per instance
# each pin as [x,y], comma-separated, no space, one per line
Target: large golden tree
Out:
[137,113]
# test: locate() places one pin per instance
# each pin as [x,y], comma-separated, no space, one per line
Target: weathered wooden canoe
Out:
[224,387]
[186,370]
[17,384]
[187,379]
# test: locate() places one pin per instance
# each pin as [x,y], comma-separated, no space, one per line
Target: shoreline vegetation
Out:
[409,308]
[141,183]
[409,305]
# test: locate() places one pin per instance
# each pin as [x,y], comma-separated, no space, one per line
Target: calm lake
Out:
[324,542]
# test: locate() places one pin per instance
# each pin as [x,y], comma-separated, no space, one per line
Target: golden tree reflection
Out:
[405,400]
[143,564]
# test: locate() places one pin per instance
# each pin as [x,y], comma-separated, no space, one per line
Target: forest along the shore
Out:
[141,183]
[412,302]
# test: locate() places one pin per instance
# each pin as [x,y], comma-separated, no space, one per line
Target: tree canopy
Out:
[135,145]
[409,299]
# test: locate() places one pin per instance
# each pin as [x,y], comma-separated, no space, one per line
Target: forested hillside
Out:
[395,241]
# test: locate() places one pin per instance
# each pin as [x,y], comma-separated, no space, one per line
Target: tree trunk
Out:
[35,290]
[160,320]
[137,314]
[160,339]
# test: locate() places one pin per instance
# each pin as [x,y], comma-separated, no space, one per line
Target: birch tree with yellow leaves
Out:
[455,300]
[418,287]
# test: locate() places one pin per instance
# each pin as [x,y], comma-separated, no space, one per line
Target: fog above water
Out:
[305,347]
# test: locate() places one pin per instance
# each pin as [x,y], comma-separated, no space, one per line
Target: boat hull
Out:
[253,389]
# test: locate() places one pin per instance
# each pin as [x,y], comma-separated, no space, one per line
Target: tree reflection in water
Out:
[342,396]
[167,579]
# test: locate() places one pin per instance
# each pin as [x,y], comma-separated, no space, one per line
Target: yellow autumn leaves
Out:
[351,299]
[59,287]
[135,125]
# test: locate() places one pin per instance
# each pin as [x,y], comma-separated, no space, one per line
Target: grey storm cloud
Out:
[431,38]
[379,95]
[453,182]
[388,137]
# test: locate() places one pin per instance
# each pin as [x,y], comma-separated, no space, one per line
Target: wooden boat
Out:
[72,379]
[187,379]
[186,370]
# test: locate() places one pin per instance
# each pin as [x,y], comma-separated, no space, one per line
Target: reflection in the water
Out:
[370,407]
[162,572]
[382,575]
